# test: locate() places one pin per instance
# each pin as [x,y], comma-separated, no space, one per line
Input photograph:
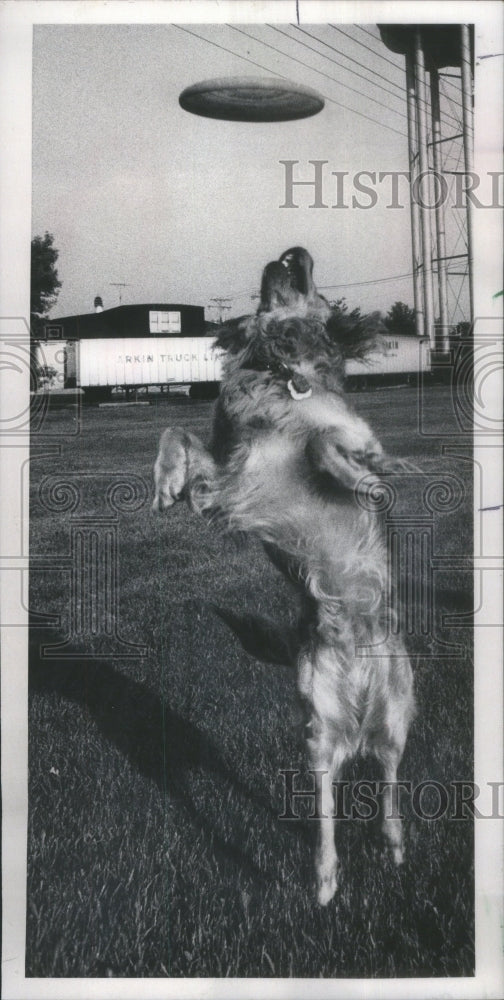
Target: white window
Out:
[164,322]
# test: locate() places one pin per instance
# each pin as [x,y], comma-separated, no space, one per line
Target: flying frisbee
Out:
[251,99]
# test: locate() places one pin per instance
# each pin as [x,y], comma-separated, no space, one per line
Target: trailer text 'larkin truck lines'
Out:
[133,346]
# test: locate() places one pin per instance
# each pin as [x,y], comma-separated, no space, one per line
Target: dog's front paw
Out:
[183,471]
[163,499]
[170,470]
[383,464]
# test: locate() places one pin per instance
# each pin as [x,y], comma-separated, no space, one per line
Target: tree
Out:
[356,334]
[463,328]
[401,319]
[340,307]
[45,375]
[45,284]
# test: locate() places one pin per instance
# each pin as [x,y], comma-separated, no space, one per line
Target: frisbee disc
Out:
[251,99]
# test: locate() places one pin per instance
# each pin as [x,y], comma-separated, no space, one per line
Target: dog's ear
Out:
[356,335]
[234,335]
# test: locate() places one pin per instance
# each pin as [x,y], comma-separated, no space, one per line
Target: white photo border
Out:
[16,24]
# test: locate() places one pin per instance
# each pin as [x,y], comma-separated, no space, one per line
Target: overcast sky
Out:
[183,208]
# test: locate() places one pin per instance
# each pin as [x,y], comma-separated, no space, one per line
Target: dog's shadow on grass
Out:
[185,763]
[262,638]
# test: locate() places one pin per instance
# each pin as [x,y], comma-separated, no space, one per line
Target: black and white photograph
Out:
[251,450]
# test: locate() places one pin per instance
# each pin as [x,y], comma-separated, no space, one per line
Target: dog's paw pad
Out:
[163,501]
[398,855]
[327,884]
[326,891]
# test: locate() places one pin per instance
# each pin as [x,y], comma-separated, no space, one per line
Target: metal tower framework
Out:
[440,151]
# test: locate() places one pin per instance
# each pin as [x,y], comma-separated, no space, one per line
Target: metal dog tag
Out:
[299,387]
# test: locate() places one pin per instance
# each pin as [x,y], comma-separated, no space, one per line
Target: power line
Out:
[229,51]
[446,116]
[379,54]
[238,55]
[345,34]
[450,99]
[344,54]
[372,281]
[348,284]
[376,38]
[454,85]
[321,72]
[443,77]
[344,68]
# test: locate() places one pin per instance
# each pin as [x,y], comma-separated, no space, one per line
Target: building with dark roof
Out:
[149,320]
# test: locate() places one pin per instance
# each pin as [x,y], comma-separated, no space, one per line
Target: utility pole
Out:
[119,285]
[222,305]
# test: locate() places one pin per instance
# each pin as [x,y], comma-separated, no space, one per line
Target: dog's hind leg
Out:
[326,753]
[182,462]
[388,747]
[390,758]
[326,760]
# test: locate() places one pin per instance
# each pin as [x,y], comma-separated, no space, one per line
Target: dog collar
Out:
[298,386]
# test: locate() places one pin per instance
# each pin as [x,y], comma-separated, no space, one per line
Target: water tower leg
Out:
[467,117]
[423,190]
[416,240]
[444,344]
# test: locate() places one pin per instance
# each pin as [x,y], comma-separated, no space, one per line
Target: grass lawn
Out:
[155,844]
